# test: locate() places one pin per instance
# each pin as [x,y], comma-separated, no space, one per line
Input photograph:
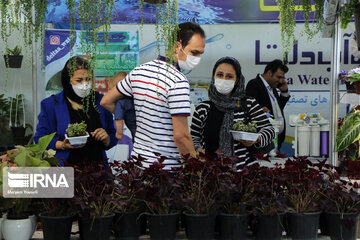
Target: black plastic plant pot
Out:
[345,227]
[18,134]
[350,88]
[96,229]
[303,225]
[199,226]
[233,227]
[127,226]
[324,229]
[14,61]
[163,226]
[56,228]
[268,226]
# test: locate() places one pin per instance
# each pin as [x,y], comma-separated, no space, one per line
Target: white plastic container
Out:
[247,136]
[303,141]
[76,141]
[315,141]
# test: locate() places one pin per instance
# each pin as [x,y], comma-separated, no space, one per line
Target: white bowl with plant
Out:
[76,133]
[246,132]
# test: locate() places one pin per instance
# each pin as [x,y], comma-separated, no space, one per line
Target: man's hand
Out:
[284,87]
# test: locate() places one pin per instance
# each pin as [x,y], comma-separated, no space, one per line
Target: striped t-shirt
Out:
[256,113]
[160,91]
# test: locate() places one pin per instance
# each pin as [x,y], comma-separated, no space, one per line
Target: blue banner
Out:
[200,11]
[57,44]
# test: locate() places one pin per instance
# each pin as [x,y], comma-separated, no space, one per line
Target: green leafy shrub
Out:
[241,126]
[76,129]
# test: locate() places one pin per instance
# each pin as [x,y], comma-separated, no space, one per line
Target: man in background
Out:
[264,89]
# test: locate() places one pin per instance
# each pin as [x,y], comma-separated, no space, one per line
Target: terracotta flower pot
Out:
[357,87]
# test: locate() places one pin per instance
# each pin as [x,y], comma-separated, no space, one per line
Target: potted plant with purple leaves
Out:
[95,199]
[303,182]
[129,193]
[57,218]
[235,192]
[341,205]
[268,202]
[199,195]
[162,191]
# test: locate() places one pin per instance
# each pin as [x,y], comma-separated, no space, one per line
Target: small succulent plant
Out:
[241,126]
[76,129]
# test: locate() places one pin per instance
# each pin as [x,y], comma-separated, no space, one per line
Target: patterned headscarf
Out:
[228,104]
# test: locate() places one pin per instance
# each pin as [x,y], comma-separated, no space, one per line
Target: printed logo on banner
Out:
[54,40]
[38,182]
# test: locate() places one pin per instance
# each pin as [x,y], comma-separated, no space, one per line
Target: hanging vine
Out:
[94,18]
[288,9]
[26,16]
[347,12]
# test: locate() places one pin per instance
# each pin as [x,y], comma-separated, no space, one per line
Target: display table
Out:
[180,235]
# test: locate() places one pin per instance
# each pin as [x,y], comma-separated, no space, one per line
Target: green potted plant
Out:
[18,225]
[13,57]
[353,78]
[347,136]
[243,131]
[76,133]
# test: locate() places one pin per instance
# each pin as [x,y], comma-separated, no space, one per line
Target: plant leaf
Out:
[45,141]
[349,133]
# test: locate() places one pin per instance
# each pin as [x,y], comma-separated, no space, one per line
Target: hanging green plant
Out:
[347,12]
[94,18]
[166,23]
[287,19]
[25,16]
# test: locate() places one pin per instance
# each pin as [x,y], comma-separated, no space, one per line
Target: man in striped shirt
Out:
[162,100]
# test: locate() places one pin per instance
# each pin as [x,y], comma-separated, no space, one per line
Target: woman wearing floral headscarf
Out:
[227,104]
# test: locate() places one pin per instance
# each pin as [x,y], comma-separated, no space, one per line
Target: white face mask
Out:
[224,86]
[354,48]
[82,89]
[190,63]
